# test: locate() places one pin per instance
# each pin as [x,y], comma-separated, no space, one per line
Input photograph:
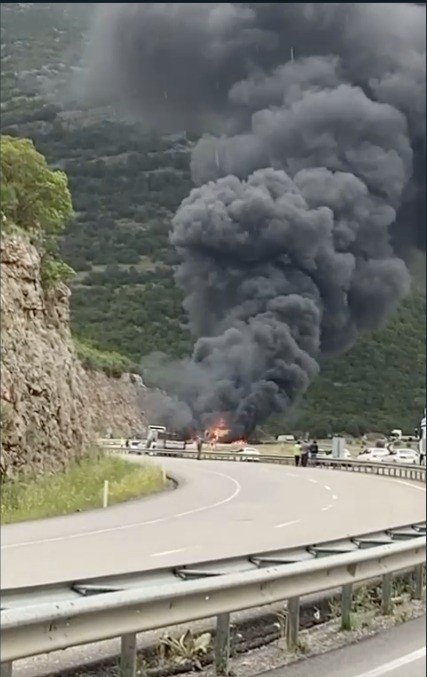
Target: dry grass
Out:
[78,489]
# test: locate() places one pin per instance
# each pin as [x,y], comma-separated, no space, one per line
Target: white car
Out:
[375,454]
[327,455]
[248,451]
[402,456]
[137,446]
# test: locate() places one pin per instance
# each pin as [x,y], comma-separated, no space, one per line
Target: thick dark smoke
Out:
[311,175]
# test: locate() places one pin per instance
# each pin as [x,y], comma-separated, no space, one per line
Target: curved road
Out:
[220,509]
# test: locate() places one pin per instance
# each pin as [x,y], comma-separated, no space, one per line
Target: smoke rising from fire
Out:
[310,178]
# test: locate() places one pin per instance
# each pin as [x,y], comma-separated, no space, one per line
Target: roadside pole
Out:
[105,495]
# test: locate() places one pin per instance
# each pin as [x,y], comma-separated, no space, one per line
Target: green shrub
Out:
[33,197]
[111,363]
[36,201]
[54,271]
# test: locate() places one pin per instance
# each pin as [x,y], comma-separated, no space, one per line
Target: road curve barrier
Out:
[49,618]
[415,473]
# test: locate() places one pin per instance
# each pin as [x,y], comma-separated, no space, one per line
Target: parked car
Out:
[137,446]
[286,438]
[374,454]
[402,456]
[327,455]
[246,453]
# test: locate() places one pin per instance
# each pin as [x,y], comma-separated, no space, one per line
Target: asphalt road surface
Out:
[220,509]
[399,652]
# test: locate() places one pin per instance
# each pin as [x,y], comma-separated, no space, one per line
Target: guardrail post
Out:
[222,644]
[292,627]
[346,602]
[128,656]
[387,588]
[419,582]
[6,669]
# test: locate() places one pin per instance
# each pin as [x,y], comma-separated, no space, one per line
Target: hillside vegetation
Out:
[378,385]
[126,185]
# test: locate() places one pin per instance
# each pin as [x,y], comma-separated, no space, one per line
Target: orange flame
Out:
[220,432]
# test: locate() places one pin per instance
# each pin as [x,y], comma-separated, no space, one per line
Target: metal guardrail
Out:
[416,473]
[72,590]
[30,631]
[105,608]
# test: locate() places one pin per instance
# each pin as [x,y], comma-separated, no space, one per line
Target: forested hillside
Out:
[126,185]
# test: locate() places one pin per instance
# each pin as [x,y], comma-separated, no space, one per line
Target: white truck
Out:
[154,431]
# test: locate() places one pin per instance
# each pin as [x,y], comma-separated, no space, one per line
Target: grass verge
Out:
[80,488]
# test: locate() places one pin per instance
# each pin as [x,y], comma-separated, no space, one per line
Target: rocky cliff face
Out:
[51,408]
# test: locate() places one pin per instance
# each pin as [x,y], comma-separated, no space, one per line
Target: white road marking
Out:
[397,663]
[409,484]
[287,524]
[123,527]
[327,507]
[167,552]
[328,488]
[335,497]
[313,481]
[214,505]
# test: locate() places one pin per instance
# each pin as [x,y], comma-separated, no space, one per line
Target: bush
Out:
[111,363]
[54,271]
[33,197]
[35,200]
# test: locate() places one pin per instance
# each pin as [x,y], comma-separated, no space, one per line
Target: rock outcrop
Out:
[52,410]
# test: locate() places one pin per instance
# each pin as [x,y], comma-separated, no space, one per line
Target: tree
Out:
[33,197]
[37,200]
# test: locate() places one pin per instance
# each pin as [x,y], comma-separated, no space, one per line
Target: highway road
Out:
[219,509]
[399,652]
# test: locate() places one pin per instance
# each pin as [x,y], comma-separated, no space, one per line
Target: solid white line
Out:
[215,505]
[409,484]
[286,524]
[167,552]
[123,527]
[393,665]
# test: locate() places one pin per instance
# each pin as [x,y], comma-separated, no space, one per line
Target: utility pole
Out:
[292,54]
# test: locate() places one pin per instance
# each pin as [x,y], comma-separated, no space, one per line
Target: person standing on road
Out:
[297,452]
[314,450]
[199,447]
[304,454]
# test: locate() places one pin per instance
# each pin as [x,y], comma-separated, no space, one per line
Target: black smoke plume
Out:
[311,182]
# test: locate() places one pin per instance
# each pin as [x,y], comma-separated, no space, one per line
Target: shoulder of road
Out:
[399,652]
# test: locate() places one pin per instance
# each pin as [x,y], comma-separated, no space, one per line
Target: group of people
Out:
[305,451]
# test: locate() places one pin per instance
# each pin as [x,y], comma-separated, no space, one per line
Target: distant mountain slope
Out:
[125,186]
[378,385]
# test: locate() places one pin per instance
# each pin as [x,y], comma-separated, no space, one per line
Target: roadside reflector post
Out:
[419,582]
[292,626]
[346,603]
[6,669]
[128,656]
[386,592]
[222,644]
[105,495]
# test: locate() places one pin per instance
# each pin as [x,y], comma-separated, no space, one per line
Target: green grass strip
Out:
[78,489]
